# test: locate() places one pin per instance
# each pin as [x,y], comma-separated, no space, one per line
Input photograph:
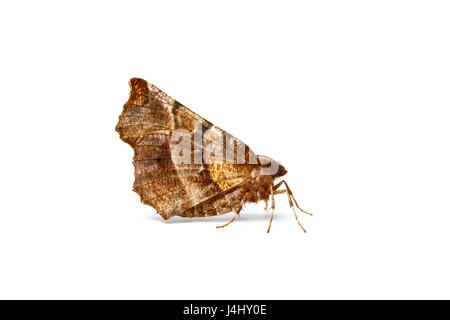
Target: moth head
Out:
[270,167]
[281,171]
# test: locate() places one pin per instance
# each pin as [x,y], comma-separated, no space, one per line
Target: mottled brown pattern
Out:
[209,188]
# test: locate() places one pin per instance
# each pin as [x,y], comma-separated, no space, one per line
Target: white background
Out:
[351,96]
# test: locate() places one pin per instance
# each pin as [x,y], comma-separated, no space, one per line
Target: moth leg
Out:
[295,213]
[238,210]
[275,187]
[291,195]
[226,224]
[273,208]
[291,204]
[274,191]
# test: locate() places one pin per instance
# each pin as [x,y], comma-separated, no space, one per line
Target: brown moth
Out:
[186,166]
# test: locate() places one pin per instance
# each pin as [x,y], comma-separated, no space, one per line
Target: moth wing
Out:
[150,109]
[147,123]
[147,109]
[173,188]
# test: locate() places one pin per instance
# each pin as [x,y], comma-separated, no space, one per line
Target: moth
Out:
[186,166]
